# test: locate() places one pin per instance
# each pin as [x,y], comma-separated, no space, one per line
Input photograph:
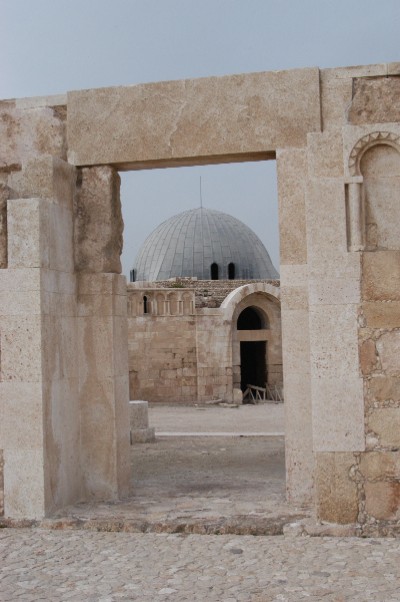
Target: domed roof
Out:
[188,244]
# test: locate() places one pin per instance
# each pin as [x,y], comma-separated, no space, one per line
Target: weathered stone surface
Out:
[384,388]
[291,166]
[325,155]
[29,130]
[380,465]
[1,483]
[45,177]
[382,314]
[336,492]
[98,221]
[368,356]
[388,347]
[381,276]
[385,422]
[375,100]
[193,121]
[382,500]
[4,195]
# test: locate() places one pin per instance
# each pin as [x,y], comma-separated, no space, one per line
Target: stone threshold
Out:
[217,434]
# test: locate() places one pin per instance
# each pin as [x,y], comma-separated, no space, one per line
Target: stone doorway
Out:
[253,369]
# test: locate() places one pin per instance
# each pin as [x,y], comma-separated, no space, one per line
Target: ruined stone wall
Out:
[63,323]
[208,293]
[162,345]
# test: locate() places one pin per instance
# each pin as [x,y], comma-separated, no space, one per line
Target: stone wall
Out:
[208,293]
[63,323]
[181,353]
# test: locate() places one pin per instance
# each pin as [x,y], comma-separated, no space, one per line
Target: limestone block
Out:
[291,169]
[384,388]
[62,438]
[16,303]
[98,450]
[299,456]
[382,500]
[388,347]
[336,493]
[20,280]
[139,414]
[385,423]
[237,396]
[27,131]
[334,340]
[382,314]
[380,465]
[60,357]
[375,100]
[325,154]
[336,94]
[21,344]
[295,341]
[139,421]
[381,276]
[101,351]
[342,398]
[326,235]
[24,483]
[186,121]
[122,439]
[21,415]
[98,221]
[45,177]
[294,275]
[26,218]
[368,356]
[294,297]
[334,291]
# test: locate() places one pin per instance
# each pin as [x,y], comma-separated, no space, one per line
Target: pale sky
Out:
[52,46]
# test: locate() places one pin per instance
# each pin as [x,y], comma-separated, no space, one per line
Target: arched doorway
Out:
[253,350]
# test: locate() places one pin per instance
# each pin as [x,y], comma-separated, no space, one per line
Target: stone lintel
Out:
[216,119]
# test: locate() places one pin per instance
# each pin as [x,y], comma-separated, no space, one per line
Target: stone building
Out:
[204,317]
[64,387]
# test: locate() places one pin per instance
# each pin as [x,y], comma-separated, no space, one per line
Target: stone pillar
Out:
[334,297]
[292,167]
[39,426]
[355,215]
[103,343]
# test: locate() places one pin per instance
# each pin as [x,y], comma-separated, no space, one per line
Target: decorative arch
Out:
[366,142]
[230,302]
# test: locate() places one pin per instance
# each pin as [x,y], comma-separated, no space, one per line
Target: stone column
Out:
[103,343]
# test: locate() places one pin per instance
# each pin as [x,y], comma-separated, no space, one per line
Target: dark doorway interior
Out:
[253,364]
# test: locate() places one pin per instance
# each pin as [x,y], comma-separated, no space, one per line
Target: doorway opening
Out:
[226,458]
[253,370]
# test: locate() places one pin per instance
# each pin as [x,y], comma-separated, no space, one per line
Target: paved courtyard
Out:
[106,567]
[226,477]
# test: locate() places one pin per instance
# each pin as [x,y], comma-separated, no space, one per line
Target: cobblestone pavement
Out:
[37,564]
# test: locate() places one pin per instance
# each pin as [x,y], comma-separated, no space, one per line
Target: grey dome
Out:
[187,244]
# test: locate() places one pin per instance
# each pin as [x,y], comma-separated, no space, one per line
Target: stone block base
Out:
[143,435]
[139,422]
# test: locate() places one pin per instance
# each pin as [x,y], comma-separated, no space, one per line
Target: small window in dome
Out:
[214,271]
[132,278]
[231,271]
[145,305]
